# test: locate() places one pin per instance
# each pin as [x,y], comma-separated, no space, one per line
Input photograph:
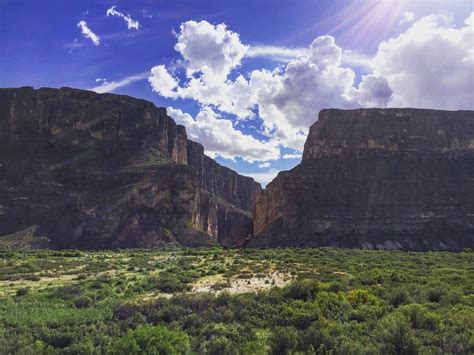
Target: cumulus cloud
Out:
[287,54]
[212,50]
[407,70]
[353,59]
[430,65]
[106,86]
[287,99]
[325,53]
[131,23]
[408,17]
[163,82]
[209,53]
[264,165]
[373,91]
[220,138]
[310,84]
[87,32]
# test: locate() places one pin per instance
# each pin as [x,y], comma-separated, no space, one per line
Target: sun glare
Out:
[365,21]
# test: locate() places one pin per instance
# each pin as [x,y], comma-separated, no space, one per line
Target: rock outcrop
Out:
[88,170]
[376,178]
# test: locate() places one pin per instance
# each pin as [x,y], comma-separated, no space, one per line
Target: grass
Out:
[258,301]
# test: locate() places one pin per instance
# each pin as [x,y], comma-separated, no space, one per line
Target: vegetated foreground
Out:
[236,301]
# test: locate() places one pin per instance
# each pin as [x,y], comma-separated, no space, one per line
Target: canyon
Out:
[85,170]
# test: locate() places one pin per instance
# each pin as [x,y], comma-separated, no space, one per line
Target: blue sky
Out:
[247,78]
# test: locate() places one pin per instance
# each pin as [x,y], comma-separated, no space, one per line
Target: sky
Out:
[247,78]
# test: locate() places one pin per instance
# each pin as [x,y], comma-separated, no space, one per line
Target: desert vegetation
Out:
[236,301]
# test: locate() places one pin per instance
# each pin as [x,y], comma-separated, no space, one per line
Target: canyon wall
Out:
[376,178]
[85,170]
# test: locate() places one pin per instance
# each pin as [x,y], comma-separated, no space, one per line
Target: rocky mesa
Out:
[85,170]
[376,178]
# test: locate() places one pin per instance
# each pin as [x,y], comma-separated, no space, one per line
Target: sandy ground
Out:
[253,284]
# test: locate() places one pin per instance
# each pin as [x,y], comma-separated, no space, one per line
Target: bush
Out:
[284,340]
[399,297]
[147,339]
[304,290]
[69,292]
[31,277]
[343,302]
[22,292]
[218,345]
[419,317]
[321,336]
[434,294]
[83,302]
[397,337]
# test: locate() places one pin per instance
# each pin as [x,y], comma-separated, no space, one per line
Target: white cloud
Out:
[287,99]
[105,86]
[470,20]
[264,165]
[264,177]
[283,54]
[287,54]
[87,32]
[408,17]
[325,53]
[431,65]
[210,53]
[292,156]
[219,137]
[353,59]
[310,84]
[212,50]
[373,91]
[131,24]
[407,70]
[163,82]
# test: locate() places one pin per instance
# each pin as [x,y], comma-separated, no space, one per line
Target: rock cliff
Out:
[85,170]
[376,178]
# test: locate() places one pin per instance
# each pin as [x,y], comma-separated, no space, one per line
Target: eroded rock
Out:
[376,178]
[102,170]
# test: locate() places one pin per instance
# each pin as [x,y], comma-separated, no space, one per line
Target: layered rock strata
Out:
[376,178]
[88,170]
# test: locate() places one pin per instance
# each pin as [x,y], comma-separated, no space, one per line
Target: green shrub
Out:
[399,297]
[147,339]
[83,302]
[284,340]
[22,291]
[397,337]
[69,292]
[302,290]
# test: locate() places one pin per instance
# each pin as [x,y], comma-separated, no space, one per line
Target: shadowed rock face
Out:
[373,178]
[87,170]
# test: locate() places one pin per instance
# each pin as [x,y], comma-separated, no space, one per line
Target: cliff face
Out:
[87,170]
[372,178]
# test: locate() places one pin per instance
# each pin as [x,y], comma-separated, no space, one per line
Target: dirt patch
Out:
[237,285]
